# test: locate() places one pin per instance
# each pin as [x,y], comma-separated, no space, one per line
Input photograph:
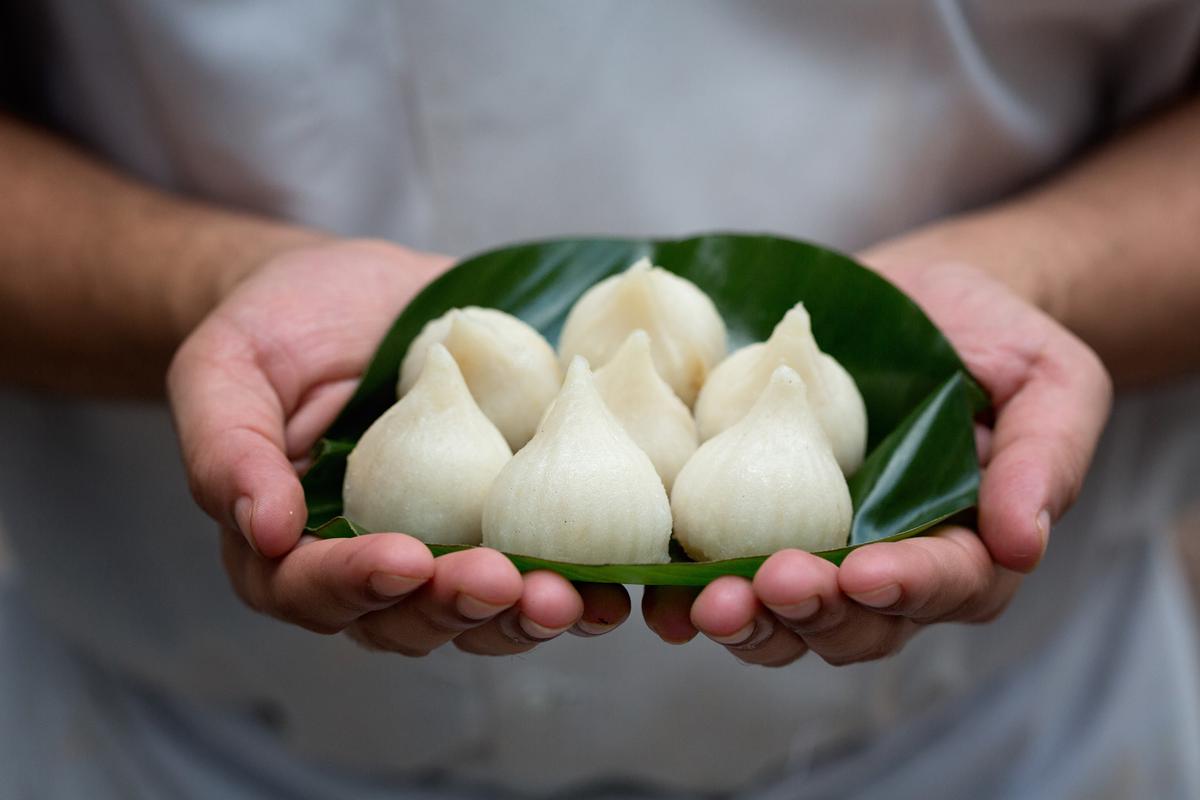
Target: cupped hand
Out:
[1051,397]
[251,390]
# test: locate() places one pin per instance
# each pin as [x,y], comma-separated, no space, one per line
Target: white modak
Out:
[425,467]
[510,368]
[650,412]
[766,483]
[581,490]
[687,334]
[737,382]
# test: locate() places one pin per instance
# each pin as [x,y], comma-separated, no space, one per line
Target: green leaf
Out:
[921,467]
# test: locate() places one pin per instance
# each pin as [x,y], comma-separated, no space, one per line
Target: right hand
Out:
[1052,396]
[253,387]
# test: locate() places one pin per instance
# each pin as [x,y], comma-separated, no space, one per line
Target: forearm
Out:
[1111,247]
[102,277]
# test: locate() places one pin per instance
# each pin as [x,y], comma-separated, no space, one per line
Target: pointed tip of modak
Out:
[465,326]
[796,319]
[643,264]
[636,291]
[631,366]
[578,390]
[439,358]
[578,373]
[636,347]
[440,370]
[786,386]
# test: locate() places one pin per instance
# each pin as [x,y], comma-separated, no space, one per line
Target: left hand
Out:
[1034,462]
[251,390]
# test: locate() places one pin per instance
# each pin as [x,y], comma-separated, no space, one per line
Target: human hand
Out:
[251,390]
[1051,396]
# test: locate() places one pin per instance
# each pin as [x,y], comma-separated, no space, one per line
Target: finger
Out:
[728,612]
[230,426]
[802,591]
[948,576]
[324,585]
[314,414]
[549,606]
[667,611]
[605,606]
[1043,442]
[469,587]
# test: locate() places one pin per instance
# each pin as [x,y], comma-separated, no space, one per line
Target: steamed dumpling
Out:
[650,412]
[581,490]
[768,482]
[425,467]
[510,369]
[737,381]
[687,334]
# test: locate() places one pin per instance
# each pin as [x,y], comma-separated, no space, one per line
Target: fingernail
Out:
[740,636]
[243,517]
[883,597]
[536,631]
[387,585]
[476,609]
[799,611]
[1043,526]
[593,628]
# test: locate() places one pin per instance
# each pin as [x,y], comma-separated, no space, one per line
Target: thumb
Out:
[1043,443]
[230,424]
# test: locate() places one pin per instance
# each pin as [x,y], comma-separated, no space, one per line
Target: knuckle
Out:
[341,560]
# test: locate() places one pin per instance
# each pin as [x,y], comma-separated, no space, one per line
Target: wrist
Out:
[1016,243]
[218,256]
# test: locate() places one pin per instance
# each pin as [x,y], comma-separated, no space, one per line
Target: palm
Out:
[312,318]
[998,336]
[254,386]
